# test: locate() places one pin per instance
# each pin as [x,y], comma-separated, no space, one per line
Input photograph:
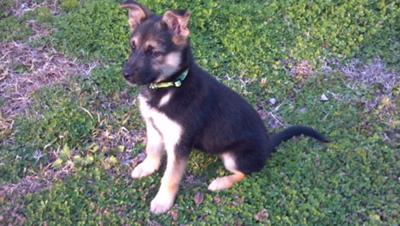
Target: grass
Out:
[89,128]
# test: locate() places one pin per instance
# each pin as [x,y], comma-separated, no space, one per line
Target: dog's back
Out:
[184,107]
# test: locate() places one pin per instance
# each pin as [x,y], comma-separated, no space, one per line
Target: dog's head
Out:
[159,44]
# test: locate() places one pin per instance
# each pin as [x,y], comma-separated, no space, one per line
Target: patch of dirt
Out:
[382,84]
[24,69]
[368,75]
[111,138]
[20,7]
[393,138]
[28,185]
[262,215]
[35,183]
[302,70]
[190,181]
[122,138]
[5,127]
[273,118]
[39,31]
[379,81]
[12,215]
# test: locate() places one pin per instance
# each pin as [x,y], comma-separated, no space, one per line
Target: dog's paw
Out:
[161,204]
[220,183]
[144,169]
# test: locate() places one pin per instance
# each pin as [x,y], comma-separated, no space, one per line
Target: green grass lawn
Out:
[71,132]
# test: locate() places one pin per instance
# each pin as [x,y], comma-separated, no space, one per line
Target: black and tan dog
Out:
[184,108]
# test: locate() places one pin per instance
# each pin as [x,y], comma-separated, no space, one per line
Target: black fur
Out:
[217,120]
[214,118]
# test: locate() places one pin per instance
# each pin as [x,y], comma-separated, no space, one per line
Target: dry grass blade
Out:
[5,127]
[20,7]
[23,70]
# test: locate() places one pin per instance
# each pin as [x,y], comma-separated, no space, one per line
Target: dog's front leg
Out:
[176,165]
[154,152]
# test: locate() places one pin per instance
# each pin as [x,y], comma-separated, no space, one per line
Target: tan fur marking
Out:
[146,168]
[222,183]
[169,185]
[135,40]
[135,15]
[173,175]
[169,65]
[170,132]
[179,40]
[153,43]
[226,182]
[178,24]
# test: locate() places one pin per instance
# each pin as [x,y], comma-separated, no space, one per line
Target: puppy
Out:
[184,108]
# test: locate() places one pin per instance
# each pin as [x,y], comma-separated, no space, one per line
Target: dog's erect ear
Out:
[136,13]
[177,22]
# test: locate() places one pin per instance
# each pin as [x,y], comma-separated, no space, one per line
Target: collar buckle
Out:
[177,83]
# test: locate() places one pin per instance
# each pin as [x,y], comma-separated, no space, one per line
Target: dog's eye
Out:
[156,53]
[152,52]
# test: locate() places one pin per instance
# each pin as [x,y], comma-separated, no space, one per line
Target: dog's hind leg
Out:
[154,152]
[222,183]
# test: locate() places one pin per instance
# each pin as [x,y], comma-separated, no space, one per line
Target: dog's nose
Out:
[126,74]
[128,70]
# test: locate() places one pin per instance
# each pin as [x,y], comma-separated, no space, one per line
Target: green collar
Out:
[177,83]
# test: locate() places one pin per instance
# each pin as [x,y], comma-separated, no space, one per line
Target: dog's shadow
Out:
[201,169]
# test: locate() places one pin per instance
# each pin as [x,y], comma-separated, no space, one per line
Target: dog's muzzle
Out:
[128,72]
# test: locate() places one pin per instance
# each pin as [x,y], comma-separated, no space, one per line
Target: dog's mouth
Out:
[129,80]
[136,80]
[131,83]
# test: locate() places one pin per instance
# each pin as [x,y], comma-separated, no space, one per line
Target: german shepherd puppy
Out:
[185,108]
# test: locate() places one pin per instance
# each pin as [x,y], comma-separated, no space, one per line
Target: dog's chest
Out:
[169,130]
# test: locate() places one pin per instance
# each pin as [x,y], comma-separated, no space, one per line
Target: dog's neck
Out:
[187,66]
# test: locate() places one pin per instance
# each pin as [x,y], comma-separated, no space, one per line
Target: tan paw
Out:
[161,203]
[144,169]
[220,183]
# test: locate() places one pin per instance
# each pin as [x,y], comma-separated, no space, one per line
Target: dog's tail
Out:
[293,131]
